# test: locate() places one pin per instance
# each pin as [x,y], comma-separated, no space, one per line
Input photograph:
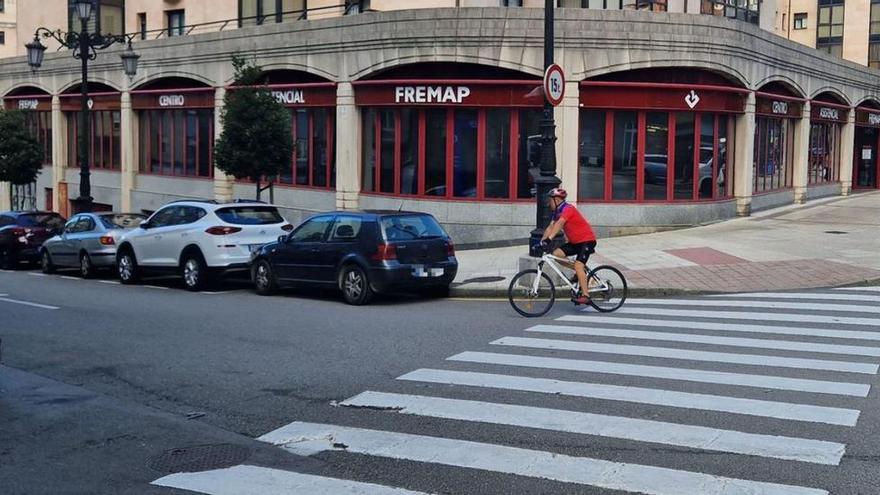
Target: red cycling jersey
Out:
[577,229]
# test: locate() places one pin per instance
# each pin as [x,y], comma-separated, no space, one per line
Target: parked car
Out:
[88,241]
[198,240]
[360,253]
[23,232]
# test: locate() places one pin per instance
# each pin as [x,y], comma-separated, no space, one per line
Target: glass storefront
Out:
[313,163]
[37,109]
[104,139]
[773,157]
[866,163]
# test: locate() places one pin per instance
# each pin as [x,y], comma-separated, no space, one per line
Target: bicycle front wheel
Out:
[607,288]
[528,298]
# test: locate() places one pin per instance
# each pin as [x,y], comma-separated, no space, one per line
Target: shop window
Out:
[39,126]
[313,161]
[800,20]
[409,151]
[743,10]
[497,176]
[435,151]
[464,154]
[625,155]
[829,29]
[683,185]
[176,22]
[368,149]
[772,154]
[176,142]
[528,130]
[104,142]
[655,174]
[824,163]
[591,155]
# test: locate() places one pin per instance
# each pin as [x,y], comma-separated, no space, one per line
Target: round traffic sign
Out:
[554,84]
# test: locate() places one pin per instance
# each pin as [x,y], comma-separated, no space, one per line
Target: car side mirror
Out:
[144,225]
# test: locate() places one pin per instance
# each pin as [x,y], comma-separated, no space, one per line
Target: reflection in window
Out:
[591,155]
[387,131]
[772,158]
[743,10]
[497,181]
[529,127]
[409,151]
[464,157]
[175,142]
[656,159]
[824,163]
[368,151]
[707,156]
[684,155]
[829,29]
[625,155]
[435,151]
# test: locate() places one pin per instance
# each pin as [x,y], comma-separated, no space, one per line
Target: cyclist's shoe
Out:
[581,299]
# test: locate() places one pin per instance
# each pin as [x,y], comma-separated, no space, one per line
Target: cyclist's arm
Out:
[553,229]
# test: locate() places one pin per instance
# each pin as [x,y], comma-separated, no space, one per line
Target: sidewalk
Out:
[828,242]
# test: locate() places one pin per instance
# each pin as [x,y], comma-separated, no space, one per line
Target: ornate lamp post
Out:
[85,47]
[546,179]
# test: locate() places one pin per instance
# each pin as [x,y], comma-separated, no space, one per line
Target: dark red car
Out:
[23,232]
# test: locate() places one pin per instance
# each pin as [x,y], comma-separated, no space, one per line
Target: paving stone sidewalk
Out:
[828,242]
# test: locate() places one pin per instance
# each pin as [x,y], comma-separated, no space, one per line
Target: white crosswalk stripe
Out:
[742,315]
[724,327]
[794,328]
[785,345]
[252,480]
[641,430]
[858,289]
[308,438]
[737,405]
[676,353]
[817,296]
[725,303]
[683,374]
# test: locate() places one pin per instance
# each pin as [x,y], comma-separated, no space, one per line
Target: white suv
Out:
[198,239]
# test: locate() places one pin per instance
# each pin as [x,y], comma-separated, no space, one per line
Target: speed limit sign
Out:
[554,84]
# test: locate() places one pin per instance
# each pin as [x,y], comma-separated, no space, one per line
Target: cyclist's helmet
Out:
[557,192]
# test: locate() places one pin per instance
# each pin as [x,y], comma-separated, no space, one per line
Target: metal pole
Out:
[547,179]
[85,188]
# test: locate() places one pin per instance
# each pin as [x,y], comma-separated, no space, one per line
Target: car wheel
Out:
[355,285]
[46,263]
[127,268]
[264,279]
[194,272]
[86,270]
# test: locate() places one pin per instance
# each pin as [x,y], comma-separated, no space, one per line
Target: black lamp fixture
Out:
[85,46]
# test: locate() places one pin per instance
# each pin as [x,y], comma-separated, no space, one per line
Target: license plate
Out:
[421,272]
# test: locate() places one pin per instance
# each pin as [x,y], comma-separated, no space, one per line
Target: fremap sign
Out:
[431,94]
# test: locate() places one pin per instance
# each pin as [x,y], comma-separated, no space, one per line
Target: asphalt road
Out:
[781,397]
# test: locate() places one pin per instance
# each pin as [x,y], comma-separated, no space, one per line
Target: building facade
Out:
[669,119]
[8,31]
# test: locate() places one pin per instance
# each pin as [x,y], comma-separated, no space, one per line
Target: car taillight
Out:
[222,230]
[287,227]
[18,231]
[106,240]
[385,252]
[450,249]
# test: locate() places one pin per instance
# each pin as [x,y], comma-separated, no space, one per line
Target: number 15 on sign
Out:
[554,84]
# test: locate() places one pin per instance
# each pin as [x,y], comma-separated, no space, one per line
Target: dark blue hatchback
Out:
[360,253]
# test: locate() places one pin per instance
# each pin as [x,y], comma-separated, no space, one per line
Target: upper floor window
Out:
[597,4]
[2,37]
[257,12]
[142,25]
[800,20]
[356,6]
[511,3]
[874,43]
[743,10]
[2,5]
[829,29]
[176,22]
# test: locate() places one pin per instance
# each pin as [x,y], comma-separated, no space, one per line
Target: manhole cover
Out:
[199,458]
[481,280]
[835,232]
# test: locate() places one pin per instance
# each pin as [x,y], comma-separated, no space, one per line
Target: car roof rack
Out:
[243,200]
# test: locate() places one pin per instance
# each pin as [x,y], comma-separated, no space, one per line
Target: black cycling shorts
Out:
[582,250]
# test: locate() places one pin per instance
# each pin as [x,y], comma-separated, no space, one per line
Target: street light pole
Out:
[85,47]
[546,180]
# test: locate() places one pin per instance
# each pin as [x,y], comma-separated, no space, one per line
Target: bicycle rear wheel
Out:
[608,288]
[528,300]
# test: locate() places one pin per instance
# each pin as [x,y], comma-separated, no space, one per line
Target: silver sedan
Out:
[87,242]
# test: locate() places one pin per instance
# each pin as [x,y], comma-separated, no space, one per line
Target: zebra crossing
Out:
[777,379]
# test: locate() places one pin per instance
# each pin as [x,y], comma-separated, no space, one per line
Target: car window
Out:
[250,215]
[45,220]
[406,227]
[84,224]
[164,217]
[346,228]
[313,230]
[189,214]
[5,220]
[70,226]
[121,220]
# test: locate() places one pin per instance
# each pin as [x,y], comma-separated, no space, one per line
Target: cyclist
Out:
[579,235]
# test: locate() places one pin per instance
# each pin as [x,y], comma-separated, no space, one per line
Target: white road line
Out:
[155,287]
[785,345]
[856,289]
[111,282]
[801,295]
[249,480]
[306,438]
[742,315]
[683,374]
[32,274]
[724,327]
[640,430]
[725,303]
[686,354]
[212,293]
[26,303]
[639,395]
[67,277]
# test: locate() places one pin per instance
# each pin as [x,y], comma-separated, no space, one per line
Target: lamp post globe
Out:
[130,61]
[83,9]
[35,53]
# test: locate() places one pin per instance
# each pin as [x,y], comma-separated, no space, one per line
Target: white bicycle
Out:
[532,292]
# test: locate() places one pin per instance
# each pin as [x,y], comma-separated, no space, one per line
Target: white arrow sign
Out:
[692,99]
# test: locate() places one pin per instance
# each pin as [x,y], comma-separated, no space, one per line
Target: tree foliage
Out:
[21,156]
[256,141]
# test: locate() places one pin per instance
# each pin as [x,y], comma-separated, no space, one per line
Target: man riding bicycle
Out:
[579,235]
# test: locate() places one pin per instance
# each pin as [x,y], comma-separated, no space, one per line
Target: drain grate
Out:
[836,232]
[199,458]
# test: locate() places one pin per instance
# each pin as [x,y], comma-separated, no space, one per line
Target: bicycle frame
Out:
[552,262]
